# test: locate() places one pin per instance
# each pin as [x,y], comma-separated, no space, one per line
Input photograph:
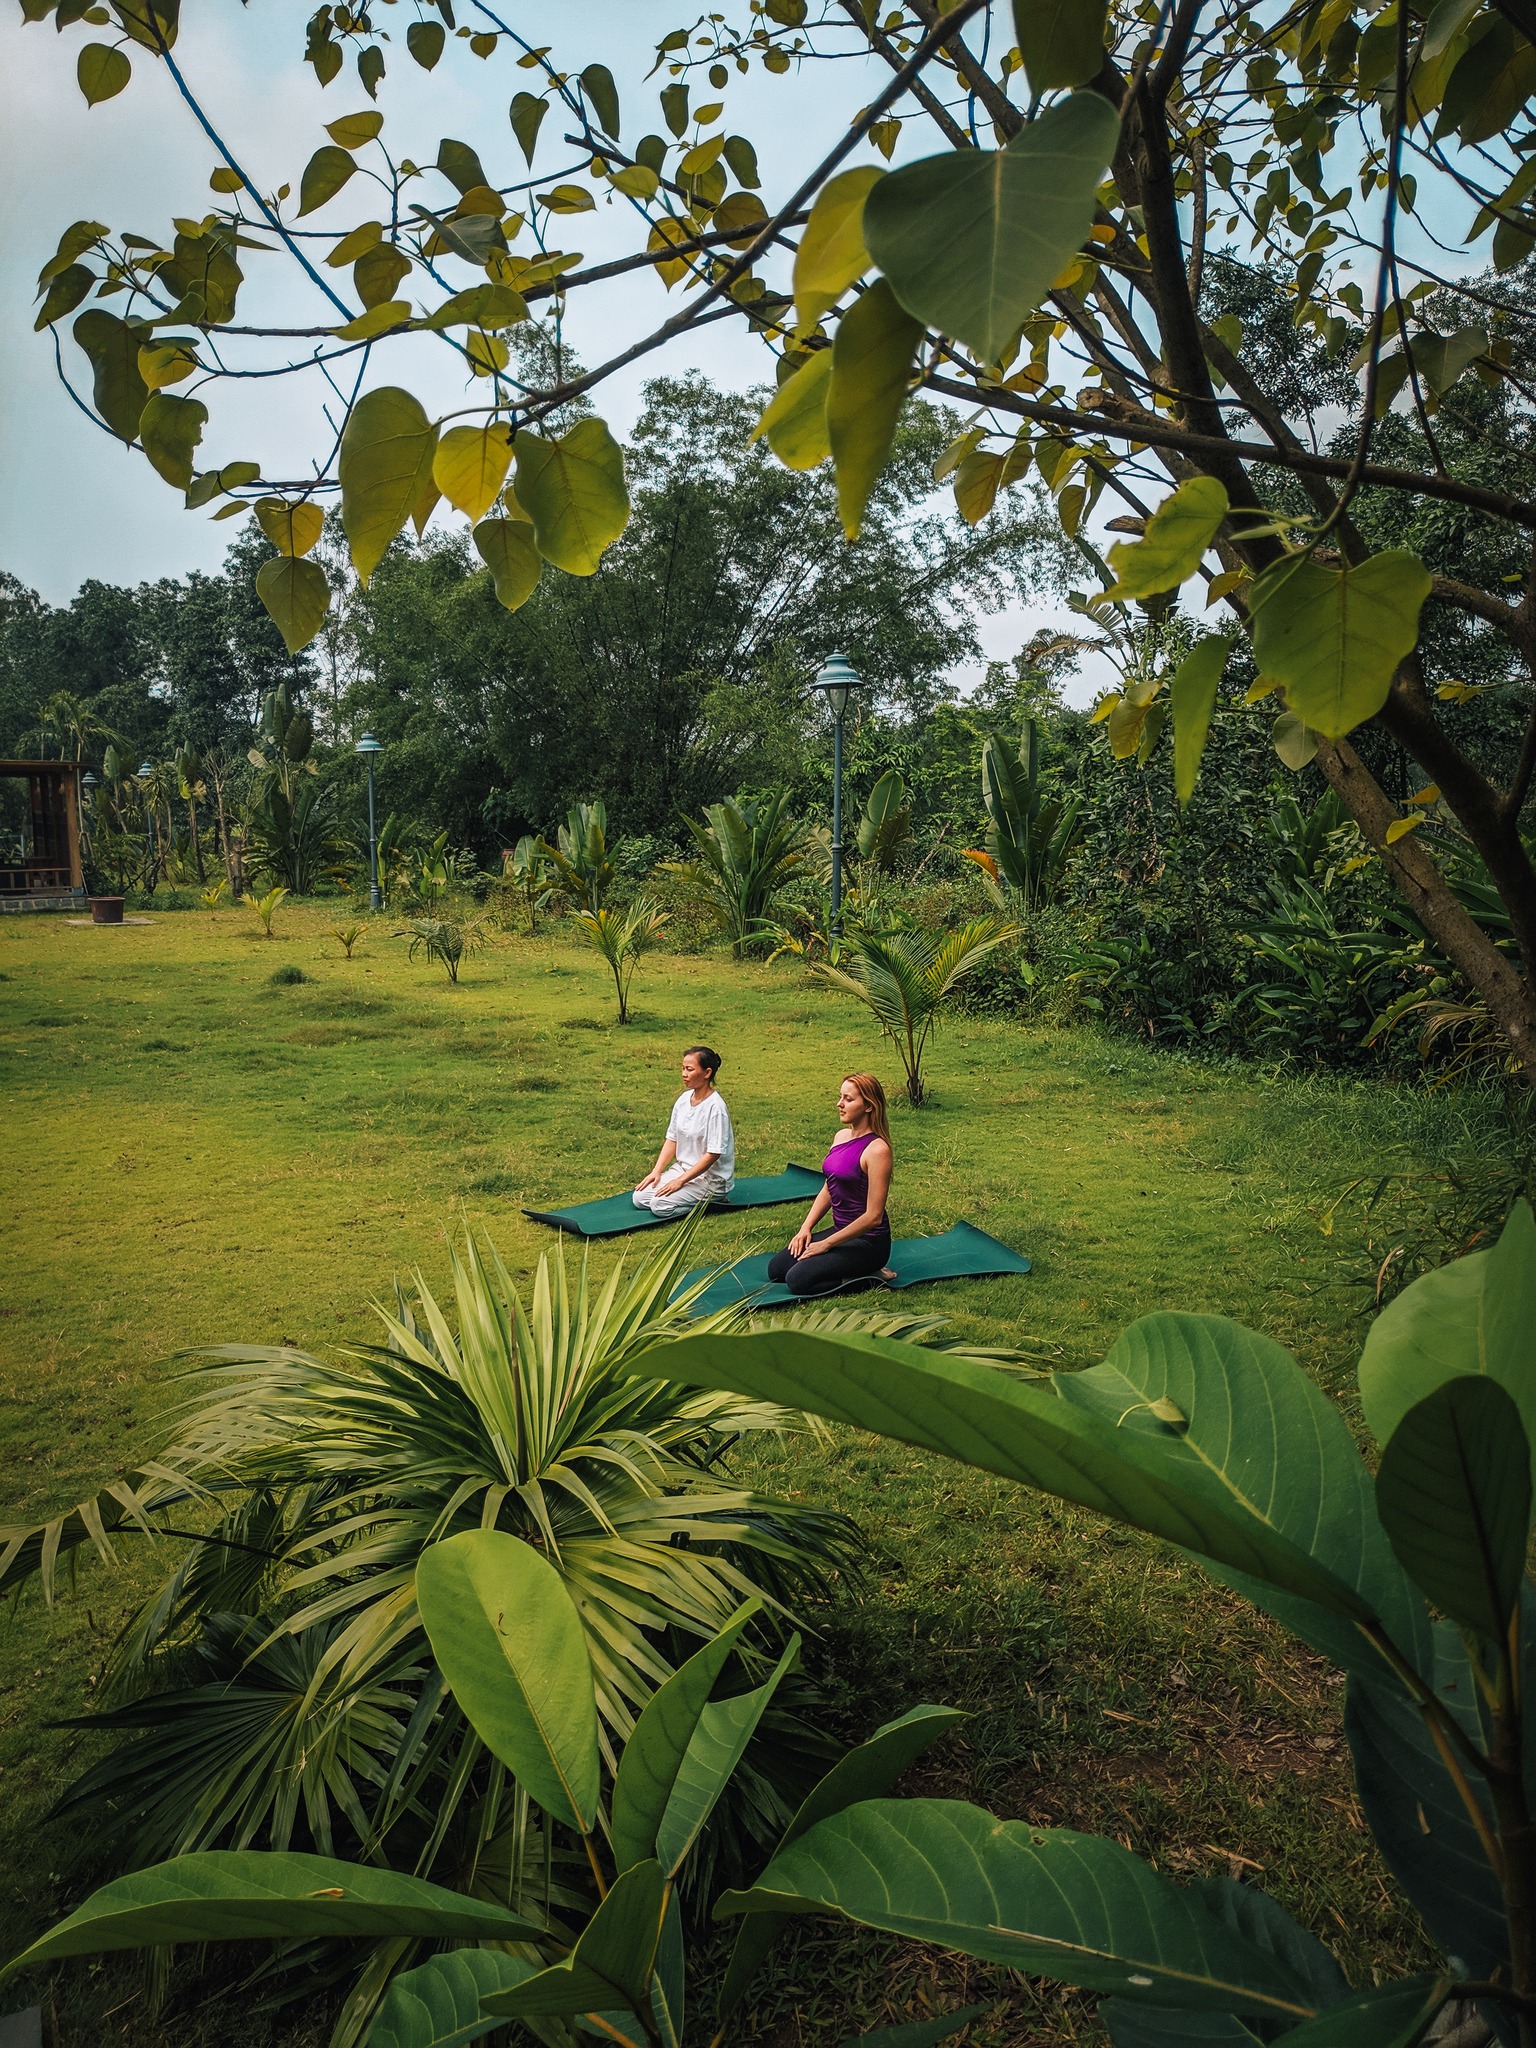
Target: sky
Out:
[77,503]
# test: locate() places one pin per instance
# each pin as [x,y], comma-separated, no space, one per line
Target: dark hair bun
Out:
[707,1059]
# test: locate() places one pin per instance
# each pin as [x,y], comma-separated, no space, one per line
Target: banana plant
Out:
[527,867]
[886,823]
[511,1645]
[1030,832]
[1412,1580]
[749,850]
[581,856]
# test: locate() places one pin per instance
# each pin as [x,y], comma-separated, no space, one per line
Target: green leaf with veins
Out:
[972,241]
[297,597]
[385,461]
[508,549]
[573,490]
[872,361]
[794,421]
[1175,542]
[170,429]
[118,389]
[1332,637]
[1061,41]
[324,175]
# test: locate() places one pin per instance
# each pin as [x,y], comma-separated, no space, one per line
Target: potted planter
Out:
[106,909]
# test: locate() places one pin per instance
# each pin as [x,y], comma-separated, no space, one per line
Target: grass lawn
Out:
[196,1155]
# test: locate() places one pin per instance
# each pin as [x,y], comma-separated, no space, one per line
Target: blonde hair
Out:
[872,1095]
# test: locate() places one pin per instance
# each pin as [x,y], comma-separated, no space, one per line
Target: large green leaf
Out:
[385,463]
[470,466]
[509,1640]
[117,388]
[508,550]
[1174,544]
[717,1745]
[1454,1495]
[1142,1472]
[1395,2015]
[438,2005]
[794,421]
[612,1961]
[247,1895]
[1192,700]
[973,240]
[864,1773]
[1332,638]
[103,71]
[655,1752]
[872,358]
[603,97]
[832,255]
[573,490]
[1476,1315]
[1061,41]
[297,597]
[1047,1901]
[170,429]
[324,175]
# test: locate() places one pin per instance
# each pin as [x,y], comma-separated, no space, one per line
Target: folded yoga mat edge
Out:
[616,1215]
[961,1253]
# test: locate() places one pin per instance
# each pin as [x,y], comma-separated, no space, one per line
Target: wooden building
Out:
[48,875]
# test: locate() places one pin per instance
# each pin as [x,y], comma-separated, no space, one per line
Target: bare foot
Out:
[887,1272]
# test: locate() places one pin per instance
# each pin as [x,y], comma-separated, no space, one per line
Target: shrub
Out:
[286,977]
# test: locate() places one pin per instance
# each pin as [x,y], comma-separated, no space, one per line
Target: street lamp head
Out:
[836,678]
[368,745]
[146,770]
[87,780]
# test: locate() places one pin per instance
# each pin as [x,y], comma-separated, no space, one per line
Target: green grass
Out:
[198,1153]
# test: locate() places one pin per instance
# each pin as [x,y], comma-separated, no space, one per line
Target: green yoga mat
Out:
[616,1214]
[962,1253]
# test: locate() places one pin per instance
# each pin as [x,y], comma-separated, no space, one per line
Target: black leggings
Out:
[827,1272]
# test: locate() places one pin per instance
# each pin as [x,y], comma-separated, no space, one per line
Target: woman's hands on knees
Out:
[800,1244]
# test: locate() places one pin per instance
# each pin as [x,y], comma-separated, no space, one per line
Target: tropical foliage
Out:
[275,1686]
[581,857]
[447,940]
[1413,1582]
[619,937]
[908,978]
[1031,830]
[748,850]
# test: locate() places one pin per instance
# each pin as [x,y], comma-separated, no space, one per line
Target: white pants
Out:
[668,1203]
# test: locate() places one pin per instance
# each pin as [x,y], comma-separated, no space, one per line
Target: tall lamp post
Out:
[146,776]
[837,677]
[368,746]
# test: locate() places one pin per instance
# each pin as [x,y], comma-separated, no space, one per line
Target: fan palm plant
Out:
[446,939]
[907,978]
[748,849]
[276,1687]
[620,937]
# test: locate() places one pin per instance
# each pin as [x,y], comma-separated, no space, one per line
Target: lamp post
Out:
[146,776]
[836,678]
[368,746]
[84,788]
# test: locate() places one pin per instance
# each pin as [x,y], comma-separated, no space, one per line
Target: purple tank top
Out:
[848,1183]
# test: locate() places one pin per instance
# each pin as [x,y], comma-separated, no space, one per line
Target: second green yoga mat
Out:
[616,1214]
[960,1254]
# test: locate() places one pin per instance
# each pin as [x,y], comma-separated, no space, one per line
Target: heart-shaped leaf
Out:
[1061,41]
[510,1643]
[1174,544]
[794,422]
[1192,700]
[872,360]
[471,466]
[292,527]
[832,255]
[103,71]
[1332,638]
[117,388]
[972,241]
[573,490]
[508,549]
[170,429]
[296,596]
[385,461]
[324,175]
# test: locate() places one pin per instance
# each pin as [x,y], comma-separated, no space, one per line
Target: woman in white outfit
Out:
[697,1161]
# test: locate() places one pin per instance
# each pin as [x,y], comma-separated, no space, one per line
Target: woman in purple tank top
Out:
[858,1177]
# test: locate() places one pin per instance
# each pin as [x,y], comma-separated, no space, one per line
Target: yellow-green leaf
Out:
[1332,638]
[297,597]
[977,477]
[426,504]
[167,363]
[527,113]
[872,360]
[491,306]
[376,320]
[378,271]
[424,40]
[1061,41]
[1401,827]
[1174,544]
[568,199]
[353,130]
[170,429]
[602,96]
[639,181]
[293,528]
[702,157]
[794,423]
[223,179]
[1192,701]
[509,551]
[324,175]
[487,353]
[832,255]
[103,70]
[471,466]
[1294,741]
[356,242]
[117,388]
[972,240]
[573,490]
[65,291]
[742,210]
[386,458]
